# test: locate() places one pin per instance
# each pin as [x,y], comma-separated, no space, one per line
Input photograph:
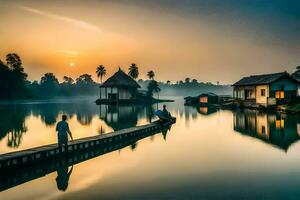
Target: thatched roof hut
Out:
[119,88]
[120,79]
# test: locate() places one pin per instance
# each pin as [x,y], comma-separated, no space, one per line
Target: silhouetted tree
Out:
[13,61]
[100,71]
[68,80]
[133,71]
[49,84]
[296,74]
[153,87]
[85,84]
[4,80]
[16,76]
[84,79]
[151,75]
[194,81]
[168,82]
[49,79]
[187,80]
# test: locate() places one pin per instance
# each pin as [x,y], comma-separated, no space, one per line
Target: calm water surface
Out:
[207,154]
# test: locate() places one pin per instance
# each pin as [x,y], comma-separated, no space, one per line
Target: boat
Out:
[163,117]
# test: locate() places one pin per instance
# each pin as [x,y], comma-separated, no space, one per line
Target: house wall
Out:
[289,88]
[124,94]
[262,127]
[239,92]
[259,98]
[288,84]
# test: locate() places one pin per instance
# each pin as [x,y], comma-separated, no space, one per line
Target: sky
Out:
[210,40]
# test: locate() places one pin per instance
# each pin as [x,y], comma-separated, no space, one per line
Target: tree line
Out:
[14,83]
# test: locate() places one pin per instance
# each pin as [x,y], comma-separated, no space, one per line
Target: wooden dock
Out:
[44,153]
[23,166]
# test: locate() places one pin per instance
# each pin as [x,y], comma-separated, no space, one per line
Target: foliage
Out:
[194,87]
[133,71]
[296,74]
[100,71]
[153,87]
[49,79]
[85,79]
[12,78]
[68,80]
[151,75]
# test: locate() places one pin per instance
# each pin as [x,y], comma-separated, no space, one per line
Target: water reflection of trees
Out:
[279,130]
[12,125]
[12,117]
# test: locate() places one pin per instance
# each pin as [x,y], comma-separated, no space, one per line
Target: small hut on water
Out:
[119,88]
[208,98]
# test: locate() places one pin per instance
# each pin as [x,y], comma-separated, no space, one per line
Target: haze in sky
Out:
[207,40]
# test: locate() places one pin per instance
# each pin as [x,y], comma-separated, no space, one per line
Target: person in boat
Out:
[63,130]
[166,113]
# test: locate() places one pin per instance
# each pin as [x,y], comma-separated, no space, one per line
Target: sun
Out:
[72,64]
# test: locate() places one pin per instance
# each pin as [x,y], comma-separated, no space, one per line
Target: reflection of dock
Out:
[22,166]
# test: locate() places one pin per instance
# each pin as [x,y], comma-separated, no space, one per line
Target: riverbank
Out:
[292,108]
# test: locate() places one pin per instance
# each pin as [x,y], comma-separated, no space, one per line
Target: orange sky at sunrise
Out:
[175,40]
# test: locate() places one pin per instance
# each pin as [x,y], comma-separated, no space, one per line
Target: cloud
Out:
[76,22]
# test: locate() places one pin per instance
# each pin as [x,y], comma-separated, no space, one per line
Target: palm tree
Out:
[156,89]
[133,71]
[153,87]
[151,75]
[100,71]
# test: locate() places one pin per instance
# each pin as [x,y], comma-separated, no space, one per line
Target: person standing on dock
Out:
[63,130]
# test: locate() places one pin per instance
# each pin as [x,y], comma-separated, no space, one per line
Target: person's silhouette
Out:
[63,130]
[63,176]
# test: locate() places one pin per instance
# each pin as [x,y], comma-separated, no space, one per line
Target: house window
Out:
[262,92]
[203,100]
[279,94]
[203,110]
[279,123]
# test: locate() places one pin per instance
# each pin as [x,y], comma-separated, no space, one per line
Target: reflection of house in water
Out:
[125,116]
[207,110]
[280,131]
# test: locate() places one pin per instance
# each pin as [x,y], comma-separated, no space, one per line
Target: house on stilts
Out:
[119,88]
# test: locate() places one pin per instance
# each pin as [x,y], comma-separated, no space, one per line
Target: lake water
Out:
[207,154]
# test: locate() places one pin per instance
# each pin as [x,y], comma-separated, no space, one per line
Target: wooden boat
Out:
[163,117]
